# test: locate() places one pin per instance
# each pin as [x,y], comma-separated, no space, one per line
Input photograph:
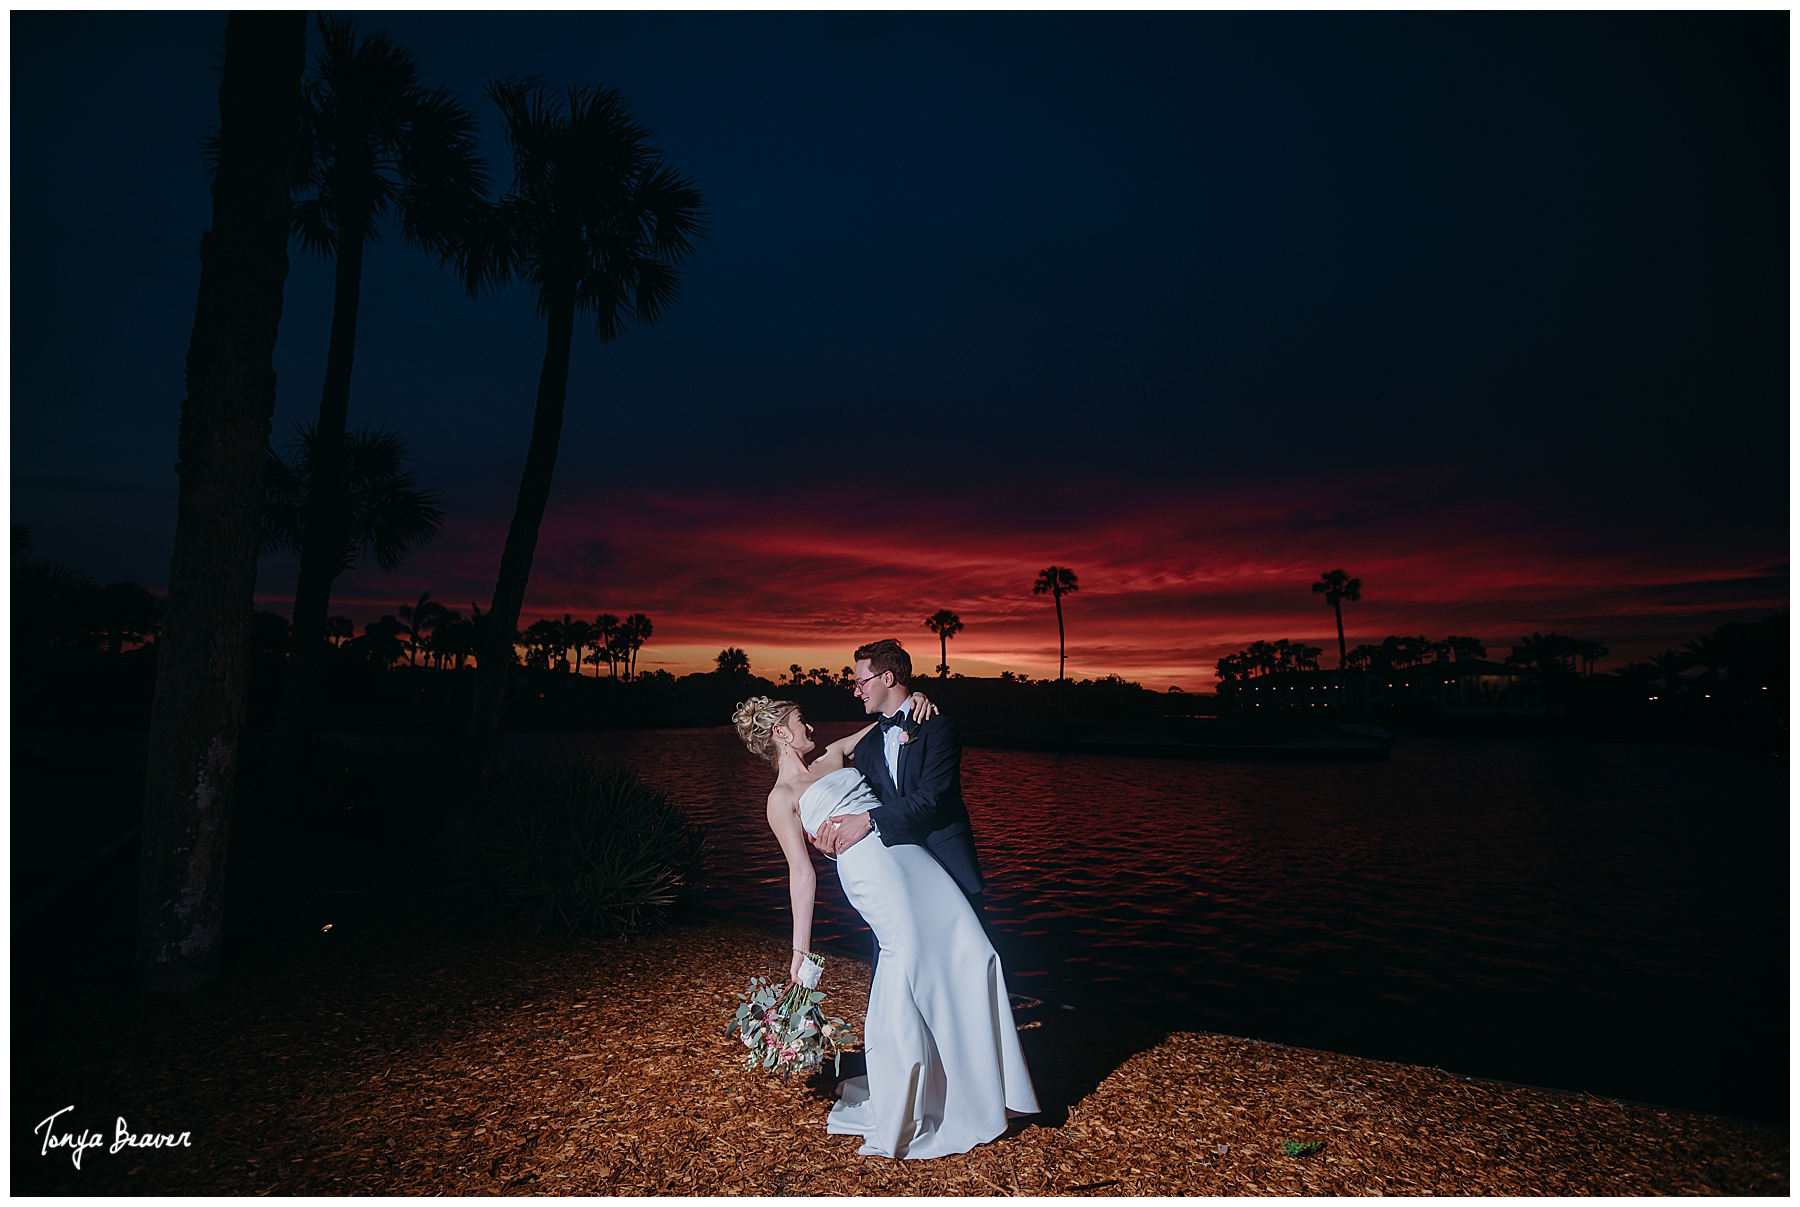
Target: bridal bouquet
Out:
[783,1026]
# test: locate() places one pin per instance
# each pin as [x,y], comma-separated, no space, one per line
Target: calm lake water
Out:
[1601,917]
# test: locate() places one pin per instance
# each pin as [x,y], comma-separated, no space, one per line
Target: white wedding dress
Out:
[945,1070]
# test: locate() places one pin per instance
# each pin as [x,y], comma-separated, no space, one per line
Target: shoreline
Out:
[843,953]
[414,1057]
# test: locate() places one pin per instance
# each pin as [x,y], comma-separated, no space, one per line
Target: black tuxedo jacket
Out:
[925,809]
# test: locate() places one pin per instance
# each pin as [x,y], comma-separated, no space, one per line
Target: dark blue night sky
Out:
[1491,309]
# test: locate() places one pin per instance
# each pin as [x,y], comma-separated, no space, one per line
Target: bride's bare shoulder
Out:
[784,796]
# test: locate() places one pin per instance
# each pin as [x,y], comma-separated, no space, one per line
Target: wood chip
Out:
[455,1062]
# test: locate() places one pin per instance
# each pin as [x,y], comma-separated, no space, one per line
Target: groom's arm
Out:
[839,834]
[937,778]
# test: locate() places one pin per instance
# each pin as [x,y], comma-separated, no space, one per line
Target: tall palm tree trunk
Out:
[198,711]
[943,655]
[521,541]
[1062,655]
[1343,657]
[323,522]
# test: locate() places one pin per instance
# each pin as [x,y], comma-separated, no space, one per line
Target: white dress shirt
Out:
[890,743]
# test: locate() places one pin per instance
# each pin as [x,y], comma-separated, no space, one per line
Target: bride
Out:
[945,1070]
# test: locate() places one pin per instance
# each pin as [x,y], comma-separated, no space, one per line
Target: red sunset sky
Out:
[1488,309]
[1168,582]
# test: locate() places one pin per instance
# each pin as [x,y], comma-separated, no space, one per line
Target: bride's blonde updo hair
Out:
[756,719]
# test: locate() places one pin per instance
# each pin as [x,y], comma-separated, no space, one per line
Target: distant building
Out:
[1293,690]
[1472,686]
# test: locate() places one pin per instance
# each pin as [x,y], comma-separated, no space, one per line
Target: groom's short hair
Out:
[887,655]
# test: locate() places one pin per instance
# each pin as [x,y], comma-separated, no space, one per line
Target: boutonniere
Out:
[908,728]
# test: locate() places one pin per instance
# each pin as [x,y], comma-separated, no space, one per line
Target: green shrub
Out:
[579,847]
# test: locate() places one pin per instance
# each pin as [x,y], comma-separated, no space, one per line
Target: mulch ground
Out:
[482,1061]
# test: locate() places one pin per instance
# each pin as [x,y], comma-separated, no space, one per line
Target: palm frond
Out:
[592,205]
[391,515]
[284,496]
[314,226]
[675,209]
[379,143]
[482,250]
[443,178]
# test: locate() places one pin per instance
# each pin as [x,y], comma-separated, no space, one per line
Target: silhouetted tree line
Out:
[57,610]
[1396,653]
[1728,687]
[1545,653]
[1268,658]
[1739,666]
[79,648]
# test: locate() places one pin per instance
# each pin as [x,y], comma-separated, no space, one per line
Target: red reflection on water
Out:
[1539,912]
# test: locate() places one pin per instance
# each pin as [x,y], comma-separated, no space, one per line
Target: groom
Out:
[916,771]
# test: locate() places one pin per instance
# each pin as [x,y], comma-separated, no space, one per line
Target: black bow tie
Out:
[888,723]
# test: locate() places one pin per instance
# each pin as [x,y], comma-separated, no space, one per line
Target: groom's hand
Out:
[841,833]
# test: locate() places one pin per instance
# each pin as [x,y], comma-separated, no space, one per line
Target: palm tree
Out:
[126,612]
[596,222]
[203,657]
[49,603]
[1339,588]
[1669,667]
[1590,653]
[559,653]
[379,145]
[380,642]
[606,632]
[1056,582]
[578,633]
[635,629]
[541,640]
[1549,653]
[1704,653]
[618,651]
[1411,651]
[946,624]
[441,643]
[454,638]
[385,514]
[419,618]
[1465,649]
[1260,657]
[339,629]
[1282,651]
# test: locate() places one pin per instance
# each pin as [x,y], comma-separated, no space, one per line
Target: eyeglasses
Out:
[860,682]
